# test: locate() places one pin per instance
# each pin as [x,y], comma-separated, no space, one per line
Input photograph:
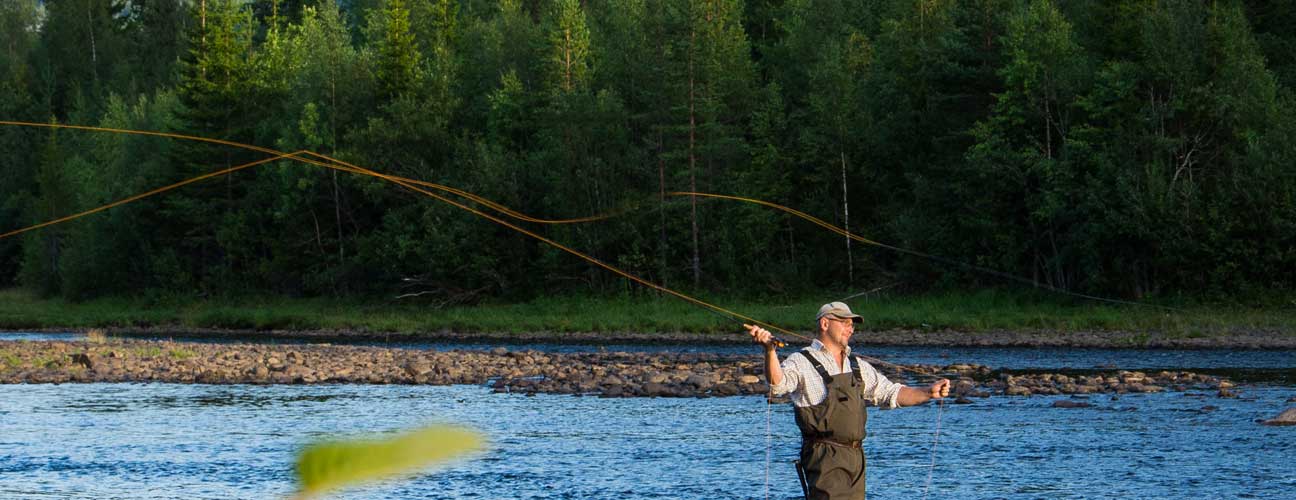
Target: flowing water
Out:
[200,441]
[141,441]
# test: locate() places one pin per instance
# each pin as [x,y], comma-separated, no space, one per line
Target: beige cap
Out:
[839,310]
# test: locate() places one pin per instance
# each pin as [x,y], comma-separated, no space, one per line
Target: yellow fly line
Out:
[411,184]
[299,157]
[818,222]
[317,159]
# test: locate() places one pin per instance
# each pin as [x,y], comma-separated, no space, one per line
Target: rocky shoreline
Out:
[606,374]
[1230,339]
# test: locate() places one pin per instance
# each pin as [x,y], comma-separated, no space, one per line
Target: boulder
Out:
[258,371]
[1067,403]
[418,368]
[696,380]
[84,359]
[654,389]
[1287,417]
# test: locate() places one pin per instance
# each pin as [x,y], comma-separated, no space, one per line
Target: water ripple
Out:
[197,441]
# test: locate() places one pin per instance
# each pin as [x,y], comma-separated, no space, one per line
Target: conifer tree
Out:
[218,94]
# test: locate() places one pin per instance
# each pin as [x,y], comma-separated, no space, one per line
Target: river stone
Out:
[696,380]
[1066,403]
[1017,390]
[752,379]
[1291,399]
[1132,377]
[654,389]
[1287,417]
[417,369]
[258,371]
[84,359]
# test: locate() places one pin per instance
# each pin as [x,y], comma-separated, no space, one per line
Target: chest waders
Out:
[832,435]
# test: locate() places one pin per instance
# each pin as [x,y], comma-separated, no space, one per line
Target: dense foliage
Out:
[1132,147]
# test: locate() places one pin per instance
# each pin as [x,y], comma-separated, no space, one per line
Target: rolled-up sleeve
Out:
[791,378]
[878,390]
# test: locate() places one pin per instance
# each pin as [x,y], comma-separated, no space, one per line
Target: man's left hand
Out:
[939,389]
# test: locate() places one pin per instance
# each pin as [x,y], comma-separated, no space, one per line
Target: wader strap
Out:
[840,444]
[857,371]
[819,367]
[805,488]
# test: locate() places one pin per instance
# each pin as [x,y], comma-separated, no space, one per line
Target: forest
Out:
[1136,149]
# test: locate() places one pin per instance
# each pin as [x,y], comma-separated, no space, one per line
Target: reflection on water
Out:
[199,441]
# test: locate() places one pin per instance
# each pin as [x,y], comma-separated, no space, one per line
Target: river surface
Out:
[154,441]
[995,357]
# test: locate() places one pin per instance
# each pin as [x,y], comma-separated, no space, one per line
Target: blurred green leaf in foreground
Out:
[329,465]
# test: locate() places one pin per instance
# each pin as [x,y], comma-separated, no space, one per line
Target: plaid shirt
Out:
[802,380]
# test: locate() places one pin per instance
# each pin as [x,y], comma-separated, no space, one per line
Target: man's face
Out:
[840,329]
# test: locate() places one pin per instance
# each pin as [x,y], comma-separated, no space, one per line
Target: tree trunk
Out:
[337,197]
[661,208]
[697,259]
[94,52]
[850,259]
[202,27]
[567,61]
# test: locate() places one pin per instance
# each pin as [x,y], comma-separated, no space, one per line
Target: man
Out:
[829,392]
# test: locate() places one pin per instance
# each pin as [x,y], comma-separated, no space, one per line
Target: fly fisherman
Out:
[829,392]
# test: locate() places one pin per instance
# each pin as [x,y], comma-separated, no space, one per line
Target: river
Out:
[146,441]
[198,441]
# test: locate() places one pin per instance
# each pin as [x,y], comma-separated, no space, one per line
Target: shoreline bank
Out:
[1036,338]
[605,374]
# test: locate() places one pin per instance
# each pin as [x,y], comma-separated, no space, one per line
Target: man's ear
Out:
[823,324]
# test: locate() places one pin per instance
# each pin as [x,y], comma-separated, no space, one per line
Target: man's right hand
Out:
[773,372]
[761,336]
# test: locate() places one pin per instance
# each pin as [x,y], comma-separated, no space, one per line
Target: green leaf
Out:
[334,464]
